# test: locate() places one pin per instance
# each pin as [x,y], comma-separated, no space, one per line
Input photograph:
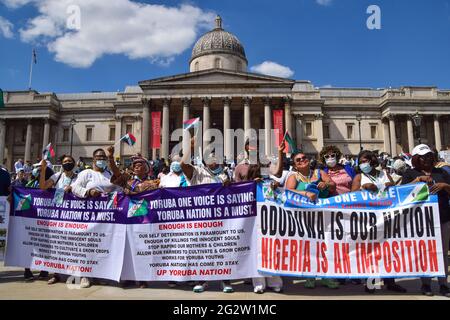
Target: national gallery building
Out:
[219,90]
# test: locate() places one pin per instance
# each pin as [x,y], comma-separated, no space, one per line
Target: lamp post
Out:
[72,124]
[359,118]
[417,119]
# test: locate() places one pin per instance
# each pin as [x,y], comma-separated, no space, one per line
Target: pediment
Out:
[216,77]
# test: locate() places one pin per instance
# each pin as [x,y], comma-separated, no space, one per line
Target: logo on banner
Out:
[413,193]
[137,208]
[23,202]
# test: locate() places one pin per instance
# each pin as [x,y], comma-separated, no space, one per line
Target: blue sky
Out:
[324,41]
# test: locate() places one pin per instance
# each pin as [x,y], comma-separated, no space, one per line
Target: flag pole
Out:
[31,69]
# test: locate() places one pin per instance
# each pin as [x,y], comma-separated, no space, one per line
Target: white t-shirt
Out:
[203,176]
[379,181]
[61,180]
[90,179]
[170,180]
[282,180]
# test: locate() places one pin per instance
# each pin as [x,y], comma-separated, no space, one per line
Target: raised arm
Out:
[279,172]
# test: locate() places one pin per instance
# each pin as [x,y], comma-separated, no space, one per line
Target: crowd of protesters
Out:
[328,175]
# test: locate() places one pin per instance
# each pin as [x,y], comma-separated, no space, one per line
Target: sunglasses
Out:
[302,159]
[328,156]
[427,156]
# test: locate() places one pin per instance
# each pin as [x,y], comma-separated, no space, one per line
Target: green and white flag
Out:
[23,202]
[137,208]
[419,193]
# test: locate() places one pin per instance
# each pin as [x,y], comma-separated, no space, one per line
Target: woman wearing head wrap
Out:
[134,183]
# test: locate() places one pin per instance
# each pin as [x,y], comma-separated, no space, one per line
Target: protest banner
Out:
[204,232]
[4,218]
[356,235]
[79,237]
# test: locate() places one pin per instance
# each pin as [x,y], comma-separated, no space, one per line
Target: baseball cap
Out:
[421,150]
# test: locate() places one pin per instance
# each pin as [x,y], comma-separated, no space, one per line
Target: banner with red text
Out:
[205,232]
[78,237]
[356,235]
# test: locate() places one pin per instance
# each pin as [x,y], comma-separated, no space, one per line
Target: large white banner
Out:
[356,235]
[78,237]
[4,218]
[197,233]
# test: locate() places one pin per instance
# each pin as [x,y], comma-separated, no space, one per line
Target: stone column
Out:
[287,114]
[319,131]
[28,141]
[392,134]
[2,140]
[206,120]
[165,129]
[437,133]
[247,120]
[267,125]
[227,128]
[118,149]
[410,131]
[387,142]
[46,134]
[145,127]
[299,131]
[186,103]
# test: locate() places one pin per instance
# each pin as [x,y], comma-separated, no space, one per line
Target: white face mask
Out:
[365,167]
[331,162]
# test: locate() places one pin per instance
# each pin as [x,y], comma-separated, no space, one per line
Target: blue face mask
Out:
[217,170]
[175,167]
[365,167]
[101,164]
[35,172]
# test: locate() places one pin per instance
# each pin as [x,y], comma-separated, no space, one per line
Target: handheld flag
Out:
[34,56]
[191,123]
[129,139]
[291,143]
[2,102]
[48,152]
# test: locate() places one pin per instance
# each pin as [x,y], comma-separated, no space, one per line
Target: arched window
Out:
[196,66]
[217,63]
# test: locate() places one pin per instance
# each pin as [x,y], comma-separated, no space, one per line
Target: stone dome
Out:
[218,41]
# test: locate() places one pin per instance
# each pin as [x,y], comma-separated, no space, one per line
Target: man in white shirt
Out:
[18,165]
[92,183]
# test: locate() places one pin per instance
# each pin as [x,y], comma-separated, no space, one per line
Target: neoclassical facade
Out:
[220,91]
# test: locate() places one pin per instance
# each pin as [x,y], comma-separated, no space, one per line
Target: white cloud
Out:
[273,69]
[138,30]
[15,3]
[324,2]
[6,28]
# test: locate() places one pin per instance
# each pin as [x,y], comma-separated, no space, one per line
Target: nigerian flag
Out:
[23,202]
[2,102]
[137,208]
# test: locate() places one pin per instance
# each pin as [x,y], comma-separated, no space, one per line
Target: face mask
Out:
[217,171]
[35,172]
[365,167]
[101,164]
[175,167]
[331,162]
[68,166]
